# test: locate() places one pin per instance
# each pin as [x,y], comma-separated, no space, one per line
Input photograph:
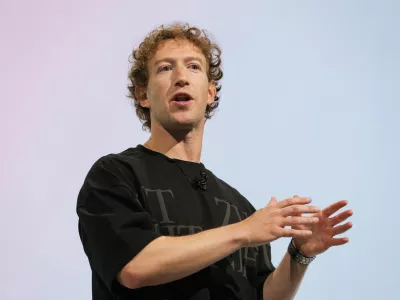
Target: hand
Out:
[323,232]
[268,223]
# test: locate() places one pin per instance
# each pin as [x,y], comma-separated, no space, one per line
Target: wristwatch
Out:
[297,256]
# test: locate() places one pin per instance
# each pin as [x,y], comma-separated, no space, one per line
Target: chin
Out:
[184,123]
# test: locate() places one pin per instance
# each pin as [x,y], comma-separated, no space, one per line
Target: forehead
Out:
[177,49]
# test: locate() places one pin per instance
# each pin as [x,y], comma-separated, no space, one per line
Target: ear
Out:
[141,95]
[212,91]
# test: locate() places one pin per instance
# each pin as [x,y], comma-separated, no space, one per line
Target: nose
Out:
[180,77]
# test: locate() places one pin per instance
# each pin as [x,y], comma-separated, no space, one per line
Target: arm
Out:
[284,282]
[168,259]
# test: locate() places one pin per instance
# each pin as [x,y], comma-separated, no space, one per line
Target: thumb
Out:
[272,201]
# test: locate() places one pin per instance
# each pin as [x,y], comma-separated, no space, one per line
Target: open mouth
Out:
[182,97]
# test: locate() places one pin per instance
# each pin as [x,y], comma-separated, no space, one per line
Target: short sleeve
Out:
[113,225]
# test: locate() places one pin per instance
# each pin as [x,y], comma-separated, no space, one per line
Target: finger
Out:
[341,217]
[272,201]
[293,221]
[297,214]
[299,197]
[293,201]
[341,228]
[298,226]
[298,209]
[295,233]
[331,209]
[339,241]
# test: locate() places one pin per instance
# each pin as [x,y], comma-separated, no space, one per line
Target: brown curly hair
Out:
[138,73]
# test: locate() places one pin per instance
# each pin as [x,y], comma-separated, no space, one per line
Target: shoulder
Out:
[112,160]
[232,192]
[111,173]
[115,168]
[224,185]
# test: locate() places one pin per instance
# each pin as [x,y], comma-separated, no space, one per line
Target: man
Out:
[155,223]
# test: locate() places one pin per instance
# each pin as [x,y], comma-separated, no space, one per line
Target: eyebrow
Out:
[171,60]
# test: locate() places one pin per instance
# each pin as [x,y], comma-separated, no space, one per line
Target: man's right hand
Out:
[275,221]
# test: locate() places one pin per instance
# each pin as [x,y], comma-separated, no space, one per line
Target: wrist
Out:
[239,233]
[297,255]
[299,248]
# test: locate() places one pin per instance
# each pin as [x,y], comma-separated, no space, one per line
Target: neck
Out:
[179,144]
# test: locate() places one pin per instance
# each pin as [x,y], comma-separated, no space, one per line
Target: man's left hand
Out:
[324,232]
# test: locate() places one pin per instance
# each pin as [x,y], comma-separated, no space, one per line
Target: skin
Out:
[177,132]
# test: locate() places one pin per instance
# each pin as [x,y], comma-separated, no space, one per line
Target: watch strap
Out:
[297,256]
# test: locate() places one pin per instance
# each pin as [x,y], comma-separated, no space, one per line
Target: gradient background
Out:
[310,105]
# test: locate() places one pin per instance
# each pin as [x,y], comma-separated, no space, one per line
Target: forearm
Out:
[284,282]
[168,259]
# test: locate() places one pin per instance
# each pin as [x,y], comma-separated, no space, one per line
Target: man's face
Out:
[178,67]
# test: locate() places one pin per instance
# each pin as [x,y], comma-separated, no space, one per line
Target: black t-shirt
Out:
[131,198]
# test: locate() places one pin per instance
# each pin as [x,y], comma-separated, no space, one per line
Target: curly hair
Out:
[138,73]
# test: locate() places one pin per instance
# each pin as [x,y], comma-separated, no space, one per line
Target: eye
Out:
[164,68]
[194,67]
